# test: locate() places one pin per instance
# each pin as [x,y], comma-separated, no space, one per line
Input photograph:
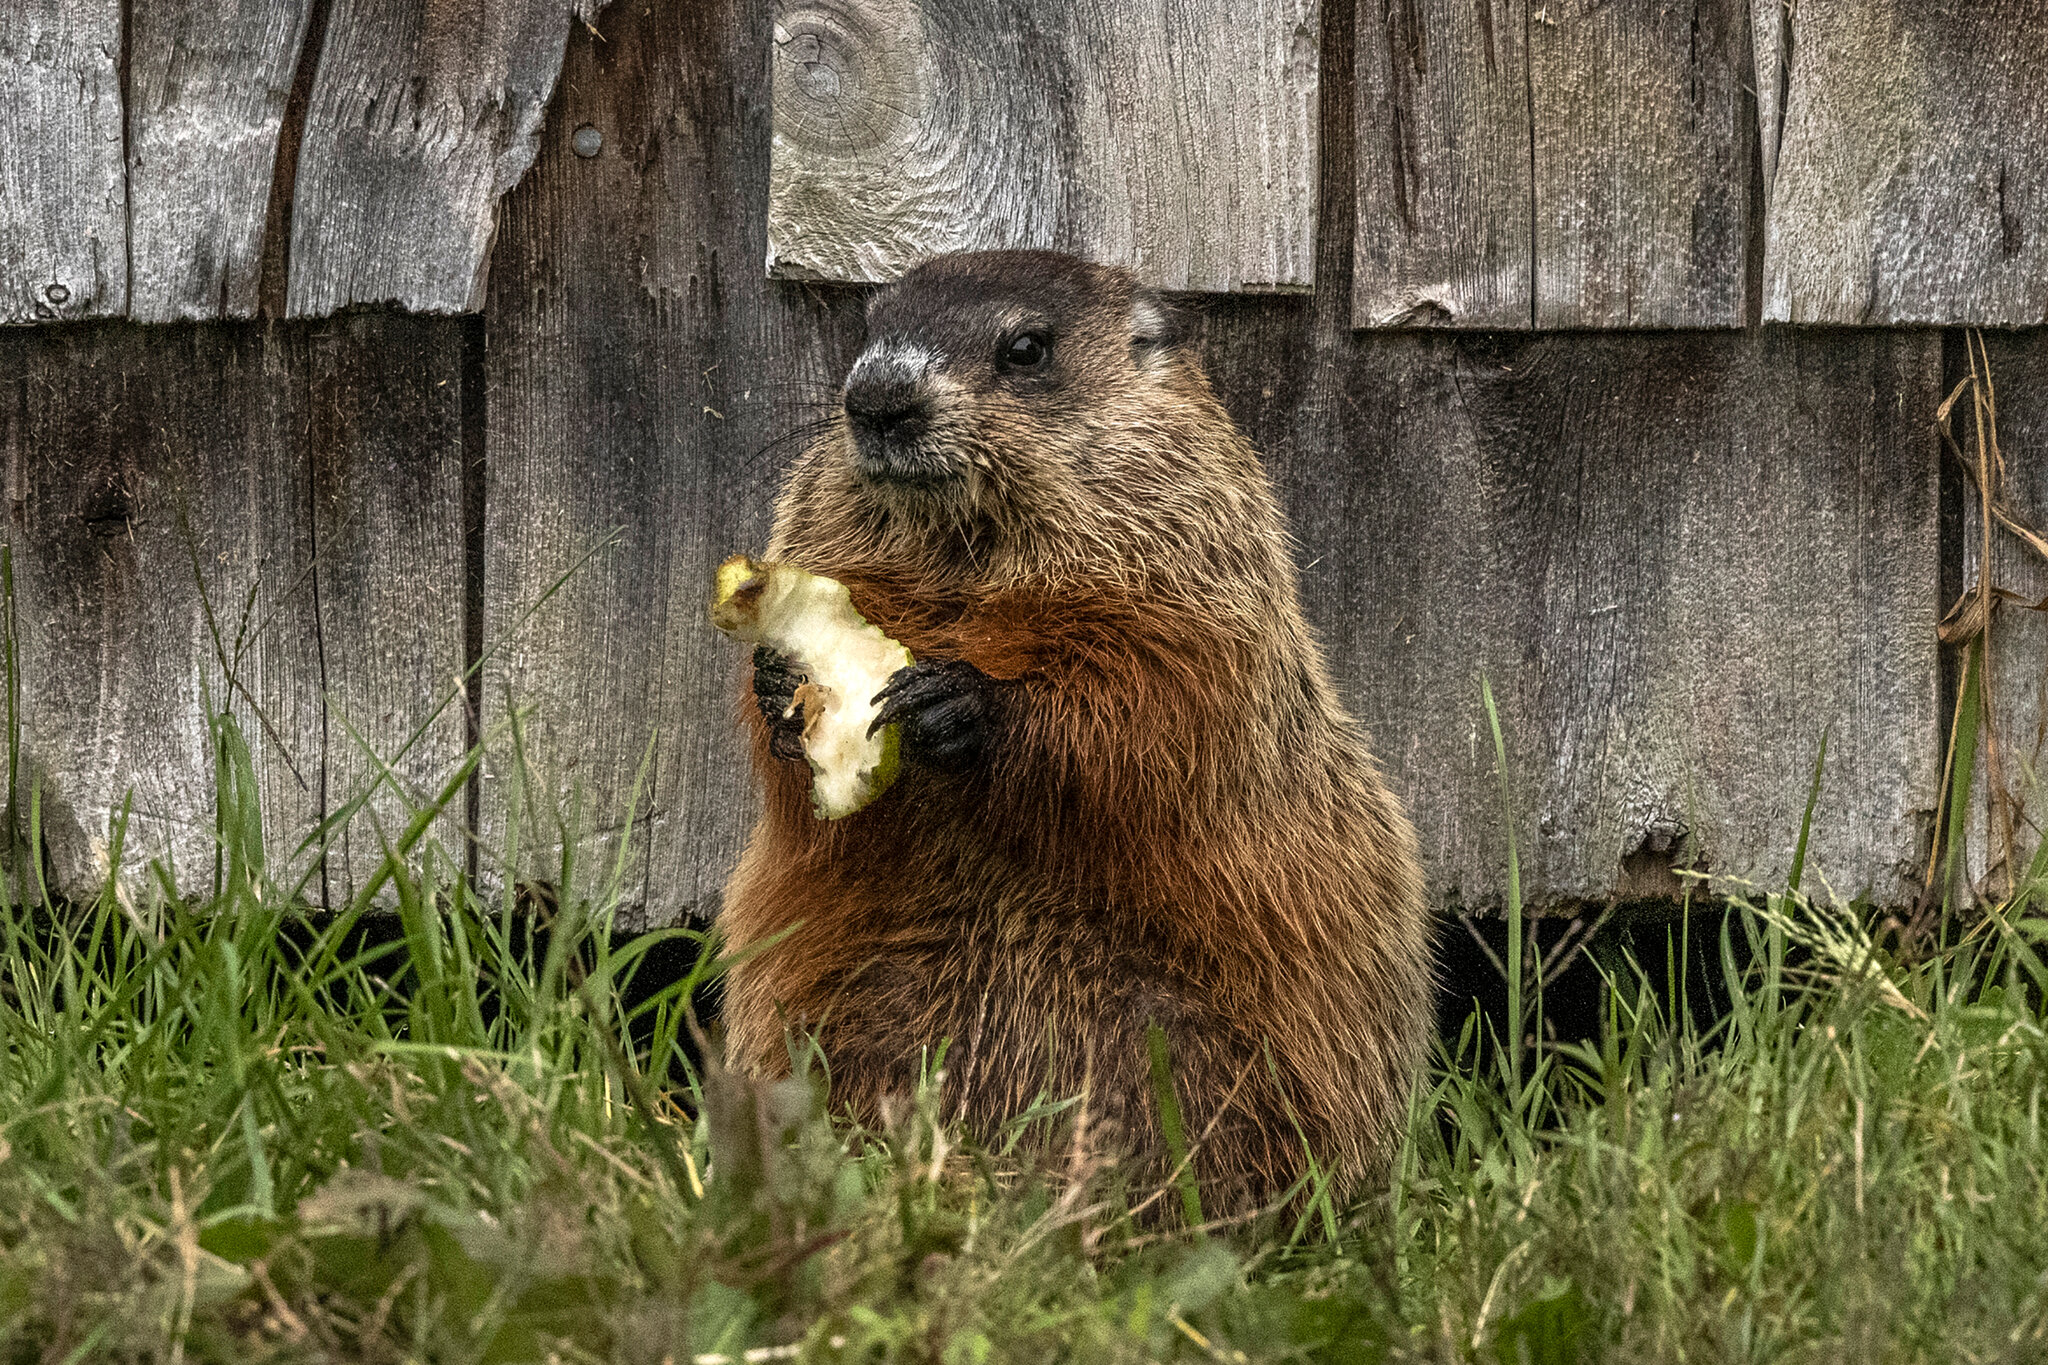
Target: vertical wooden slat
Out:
[63,193]
[1444,207]
[1645,140]
[421,116]
[1911,185]
[641,370]
[207,86]
[208,513]
[1178,139]
[139,464]
[384,402]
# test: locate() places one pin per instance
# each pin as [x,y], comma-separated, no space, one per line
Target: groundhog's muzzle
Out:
[890,398]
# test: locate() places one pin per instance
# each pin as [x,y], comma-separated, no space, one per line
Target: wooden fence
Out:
[1595,346]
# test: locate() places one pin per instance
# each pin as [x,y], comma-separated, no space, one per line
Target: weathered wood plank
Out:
[210,512]
[1910,185]
[1645,141]
[386,400]
[63,214]
[422,115]
[1177,139]
[1678,558]
[1444,207]
[125,511]
[207,86]
[641,368]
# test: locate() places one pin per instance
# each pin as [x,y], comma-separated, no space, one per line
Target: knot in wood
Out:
[847,76]
[1662,837]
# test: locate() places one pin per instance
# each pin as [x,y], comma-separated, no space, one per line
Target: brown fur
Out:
[1175,821]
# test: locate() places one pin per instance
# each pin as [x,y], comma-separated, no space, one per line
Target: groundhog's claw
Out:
[775,684]
[944,707]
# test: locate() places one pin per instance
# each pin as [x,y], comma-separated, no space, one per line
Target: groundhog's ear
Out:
[1155,331]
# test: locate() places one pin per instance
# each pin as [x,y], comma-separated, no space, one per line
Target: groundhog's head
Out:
[1025,413]
[1004,385]
[983,369]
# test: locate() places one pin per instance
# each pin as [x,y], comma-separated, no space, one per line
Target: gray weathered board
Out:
[1175,138]
[304,485]
[421,116]
[412,120]
[1565,164]
[263,518]
[640,372]
[207,88]
[1679,559]
[1569,163]
[1575,163]
[63,193]
[1911,182]
[1444,166]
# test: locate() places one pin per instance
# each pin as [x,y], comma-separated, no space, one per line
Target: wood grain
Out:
[1910,185]
[1444,167]
[63,192]
[1678,559]
[422,115]
[207,86]
[385,402]
[1770,35]
[1564,164]
[123,521]
[641,373]
[1177,139]
[202,514]
[1645,141]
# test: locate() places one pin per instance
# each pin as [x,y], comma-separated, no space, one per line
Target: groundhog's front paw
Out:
[946,708]
[775,684]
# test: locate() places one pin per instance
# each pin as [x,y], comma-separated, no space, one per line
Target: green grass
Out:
[224,1137]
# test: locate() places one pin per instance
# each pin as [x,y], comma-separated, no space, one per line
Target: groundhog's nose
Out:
[885,408]
[890,404]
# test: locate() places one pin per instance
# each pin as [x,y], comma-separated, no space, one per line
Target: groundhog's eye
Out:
[1027,349]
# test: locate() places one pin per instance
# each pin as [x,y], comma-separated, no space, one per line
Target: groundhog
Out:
[1129,795]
